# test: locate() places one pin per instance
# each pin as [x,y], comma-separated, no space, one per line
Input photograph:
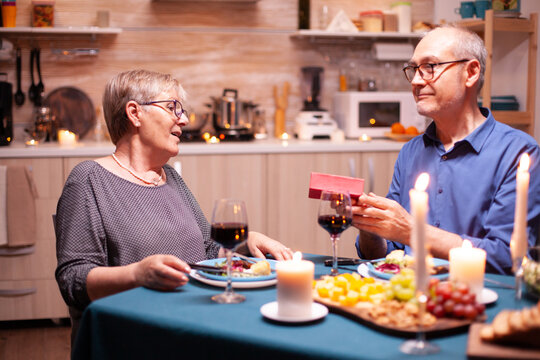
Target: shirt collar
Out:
[476,139]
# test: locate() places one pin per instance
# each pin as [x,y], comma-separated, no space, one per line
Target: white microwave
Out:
[373,112]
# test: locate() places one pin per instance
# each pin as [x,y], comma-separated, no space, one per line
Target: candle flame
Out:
[297,256]
[422,182]
[524,162]
[284,136]
[466,244]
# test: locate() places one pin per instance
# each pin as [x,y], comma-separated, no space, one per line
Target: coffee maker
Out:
[6,120]
[313,121]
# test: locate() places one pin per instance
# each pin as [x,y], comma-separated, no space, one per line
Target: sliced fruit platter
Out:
[392,307]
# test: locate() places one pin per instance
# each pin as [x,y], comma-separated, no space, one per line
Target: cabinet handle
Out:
[17,292]
[7,251]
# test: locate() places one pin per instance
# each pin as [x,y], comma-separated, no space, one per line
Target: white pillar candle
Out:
[467,265]
[66,138]
[294,286]
[419,209]
[518,241]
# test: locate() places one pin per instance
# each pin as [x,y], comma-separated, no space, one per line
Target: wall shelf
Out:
[75,30]
[323,35]
[521,119]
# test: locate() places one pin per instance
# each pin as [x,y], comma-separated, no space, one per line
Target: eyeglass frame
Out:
[431,66]
[176,104]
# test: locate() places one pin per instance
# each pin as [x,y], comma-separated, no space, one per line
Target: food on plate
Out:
[394,262]
[453,300]
[397,128]
[402,286]
[243,268]
[515,327]
[399,314]
[412,130]
[349,289]
[261,268]
[531,275]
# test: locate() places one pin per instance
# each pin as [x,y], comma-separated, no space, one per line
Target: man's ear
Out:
[473,73]
[133,113]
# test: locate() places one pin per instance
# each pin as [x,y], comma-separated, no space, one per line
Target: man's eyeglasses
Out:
[173,106]
[426,70]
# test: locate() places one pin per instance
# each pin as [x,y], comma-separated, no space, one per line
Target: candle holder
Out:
[419,346]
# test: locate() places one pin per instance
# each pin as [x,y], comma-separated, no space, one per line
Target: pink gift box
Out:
[319,182]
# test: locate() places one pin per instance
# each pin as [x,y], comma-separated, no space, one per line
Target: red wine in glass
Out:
[229,228]
[229,235]
[335,216]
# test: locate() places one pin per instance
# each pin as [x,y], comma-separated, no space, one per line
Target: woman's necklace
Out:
[154,182]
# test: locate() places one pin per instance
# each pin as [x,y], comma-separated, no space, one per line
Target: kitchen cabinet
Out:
[28,289]
[274,186]
[487,28]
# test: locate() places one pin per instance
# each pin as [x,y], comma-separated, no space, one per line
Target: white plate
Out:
[219,277]
[270,311]
[488,296]
[235,284]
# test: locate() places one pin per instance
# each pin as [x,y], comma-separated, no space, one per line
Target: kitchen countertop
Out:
[269,146]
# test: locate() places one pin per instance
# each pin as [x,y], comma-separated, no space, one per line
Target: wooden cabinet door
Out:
[212,177]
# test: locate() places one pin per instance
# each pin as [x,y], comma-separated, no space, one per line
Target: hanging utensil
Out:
[32,91]
[19,95]
[40,88]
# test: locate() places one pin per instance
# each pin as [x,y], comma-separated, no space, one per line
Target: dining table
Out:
[186,324]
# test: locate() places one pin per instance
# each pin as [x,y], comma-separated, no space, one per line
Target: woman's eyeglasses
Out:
[173,106]
[426,70]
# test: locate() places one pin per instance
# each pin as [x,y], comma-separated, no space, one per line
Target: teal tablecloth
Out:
[187,324]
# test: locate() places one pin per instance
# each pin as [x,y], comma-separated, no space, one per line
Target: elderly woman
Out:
[128,219]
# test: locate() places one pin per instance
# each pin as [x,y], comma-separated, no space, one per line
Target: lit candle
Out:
[419,209]
[294,286]
[284,136]
[32,143]
[212,140]
[518,241]
[66,138]
[365,137]
[467,265]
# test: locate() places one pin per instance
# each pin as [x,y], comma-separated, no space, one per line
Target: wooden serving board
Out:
[360,313]
[477,348]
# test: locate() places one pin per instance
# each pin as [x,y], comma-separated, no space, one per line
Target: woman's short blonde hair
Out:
[138,85]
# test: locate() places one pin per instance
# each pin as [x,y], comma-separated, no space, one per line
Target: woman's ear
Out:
[133,113]
[473,73]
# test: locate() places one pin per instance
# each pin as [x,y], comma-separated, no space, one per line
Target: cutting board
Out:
[72,109]
[476,348]
[443,326]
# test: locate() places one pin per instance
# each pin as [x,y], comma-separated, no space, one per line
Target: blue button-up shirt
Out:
[472,189]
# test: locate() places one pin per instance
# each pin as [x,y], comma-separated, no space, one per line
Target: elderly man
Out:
[471,160]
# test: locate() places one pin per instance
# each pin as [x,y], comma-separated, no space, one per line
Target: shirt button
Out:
[440,191]
[445,157]
[437,223]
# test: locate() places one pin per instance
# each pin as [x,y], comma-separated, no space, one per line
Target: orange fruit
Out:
[411,130]
[397,128]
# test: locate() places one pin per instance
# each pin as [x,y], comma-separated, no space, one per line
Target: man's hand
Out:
[383,217]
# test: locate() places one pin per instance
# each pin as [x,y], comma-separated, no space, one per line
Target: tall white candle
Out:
[518,242]
[294,286]
[419,209]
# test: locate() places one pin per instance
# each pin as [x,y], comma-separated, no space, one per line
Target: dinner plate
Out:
[387,276]
[487,296]
[220,277]
[235,284]
[270,311]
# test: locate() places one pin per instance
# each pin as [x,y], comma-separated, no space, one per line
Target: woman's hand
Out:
[260,244]
[161,272]
[383,217]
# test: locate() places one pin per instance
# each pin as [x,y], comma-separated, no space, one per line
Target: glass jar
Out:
[372,20]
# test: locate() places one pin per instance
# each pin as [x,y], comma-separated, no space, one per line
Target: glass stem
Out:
[335,239]
[518,270]
[228,288]
[420,334]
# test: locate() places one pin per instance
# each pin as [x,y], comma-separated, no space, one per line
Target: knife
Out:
[207,268]
[345,261]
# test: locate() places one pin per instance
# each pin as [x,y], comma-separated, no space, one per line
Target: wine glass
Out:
[230,229]
[335,215]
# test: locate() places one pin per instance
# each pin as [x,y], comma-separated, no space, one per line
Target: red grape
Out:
[459,310]
[449,306]
[467,299]
[430,305]
[470,311]
[462,288]
[480,308]
[438,311]
[457,296]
